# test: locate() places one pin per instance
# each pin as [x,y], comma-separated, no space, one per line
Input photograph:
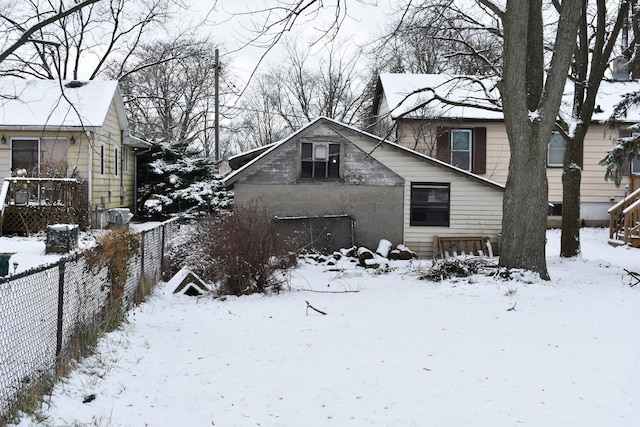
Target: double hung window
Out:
[461,148]
[555,150]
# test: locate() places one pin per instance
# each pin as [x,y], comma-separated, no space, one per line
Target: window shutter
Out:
[626,166]
[479,163]
[443,145]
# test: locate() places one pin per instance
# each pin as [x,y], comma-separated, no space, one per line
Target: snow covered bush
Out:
[240,252]
[176,176]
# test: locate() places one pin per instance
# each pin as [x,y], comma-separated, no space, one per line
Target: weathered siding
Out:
[369,192]
[475,207]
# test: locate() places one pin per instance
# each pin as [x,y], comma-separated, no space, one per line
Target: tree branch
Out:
[26,36]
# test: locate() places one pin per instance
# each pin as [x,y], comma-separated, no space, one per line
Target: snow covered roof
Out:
[609,94]
[404,92]
[230,179]
[36,104]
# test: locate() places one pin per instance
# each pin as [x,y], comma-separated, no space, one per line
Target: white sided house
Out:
[328,174]
[55,135]
[475,139]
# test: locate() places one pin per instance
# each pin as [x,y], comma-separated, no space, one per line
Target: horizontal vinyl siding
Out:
[597,142]
[108,183]
[475,209]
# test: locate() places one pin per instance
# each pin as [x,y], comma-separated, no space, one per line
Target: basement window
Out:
[319,160]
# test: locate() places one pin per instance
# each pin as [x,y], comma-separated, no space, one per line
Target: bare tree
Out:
[598,33]
[531,95]
[20,30]
[301,88]
[427,37]
[83,41]
[168,88]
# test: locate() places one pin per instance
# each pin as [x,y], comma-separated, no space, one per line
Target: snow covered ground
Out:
[392,350]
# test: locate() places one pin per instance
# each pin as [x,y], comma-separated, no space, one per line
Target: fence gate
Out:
[322,234]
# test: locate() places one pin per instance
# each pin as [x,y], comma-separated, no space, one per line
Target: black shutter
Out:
[479,163]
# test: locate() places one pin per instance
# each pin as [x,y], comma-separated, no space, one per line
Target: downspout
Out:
[121,161]
[136,153]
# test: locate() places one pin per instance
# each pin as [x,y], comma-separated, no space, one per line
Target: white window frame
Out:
[125,160]
[469,151]
[555,136]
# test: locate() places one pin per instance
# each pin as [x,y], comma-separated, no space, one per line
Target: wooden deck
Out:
[28,205]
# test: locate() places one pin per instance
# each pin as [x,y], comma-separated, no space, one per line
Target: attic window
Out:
[319,160]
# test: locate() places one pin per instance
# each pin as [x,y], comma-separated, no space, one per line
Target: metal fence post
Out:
[61,269]
[164,227]
[144,233]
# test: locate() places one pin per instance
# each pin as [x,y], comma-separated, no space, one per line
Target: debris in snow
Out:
[189,283]
[384,247]
[463,267]
[309,306]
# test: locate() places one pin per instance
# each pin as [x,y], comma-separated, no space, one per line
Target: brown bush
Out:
[240,252]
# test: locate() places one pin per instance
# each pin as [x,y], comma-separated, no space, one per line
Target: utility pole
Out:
[217,107]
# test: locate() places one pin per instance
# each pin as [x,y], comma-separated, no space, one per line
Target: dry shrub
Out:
[240,252]
[113,252]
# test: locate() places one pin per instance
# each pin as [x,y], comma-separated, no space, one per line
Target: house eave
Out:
[133,142]
[48,128]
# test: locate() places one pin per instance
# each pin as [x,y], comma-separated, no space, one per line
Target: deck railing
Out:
[624,218]
[47,196]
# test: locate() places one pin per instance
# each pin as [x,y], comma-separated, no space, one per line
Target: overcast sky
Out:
[231,24]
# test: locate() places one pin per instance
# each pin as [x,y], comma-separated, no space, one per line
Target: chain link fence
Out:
[42,309]
[322,234]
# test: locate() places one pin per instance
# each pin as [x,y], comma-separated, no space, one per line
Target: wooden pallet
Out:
[452,246]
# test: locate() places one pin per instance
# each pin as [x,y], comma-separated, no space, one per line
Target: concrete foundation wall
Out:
[377,211]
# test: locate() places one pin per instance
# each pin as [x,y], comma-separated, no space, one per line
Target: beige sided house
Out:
[475,139]
[354,188]
[55,132]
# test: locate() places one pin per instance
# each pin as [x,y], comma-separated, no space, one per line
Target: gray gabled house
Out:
[330,171]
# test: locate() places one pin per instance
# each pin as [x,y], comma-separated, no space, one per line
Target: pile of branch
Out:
[463,267]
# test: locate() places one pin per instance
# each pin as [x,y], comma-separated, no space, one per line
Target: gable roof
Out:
[60,105]
[399,92]
[230,179]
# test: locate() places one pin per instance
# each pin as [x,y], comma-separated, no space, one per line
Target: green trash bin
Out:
[4,262]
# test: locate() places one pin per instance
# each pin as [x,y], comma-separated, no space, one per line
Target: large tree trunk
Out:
[525,205]
[571,178]
[531,106]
